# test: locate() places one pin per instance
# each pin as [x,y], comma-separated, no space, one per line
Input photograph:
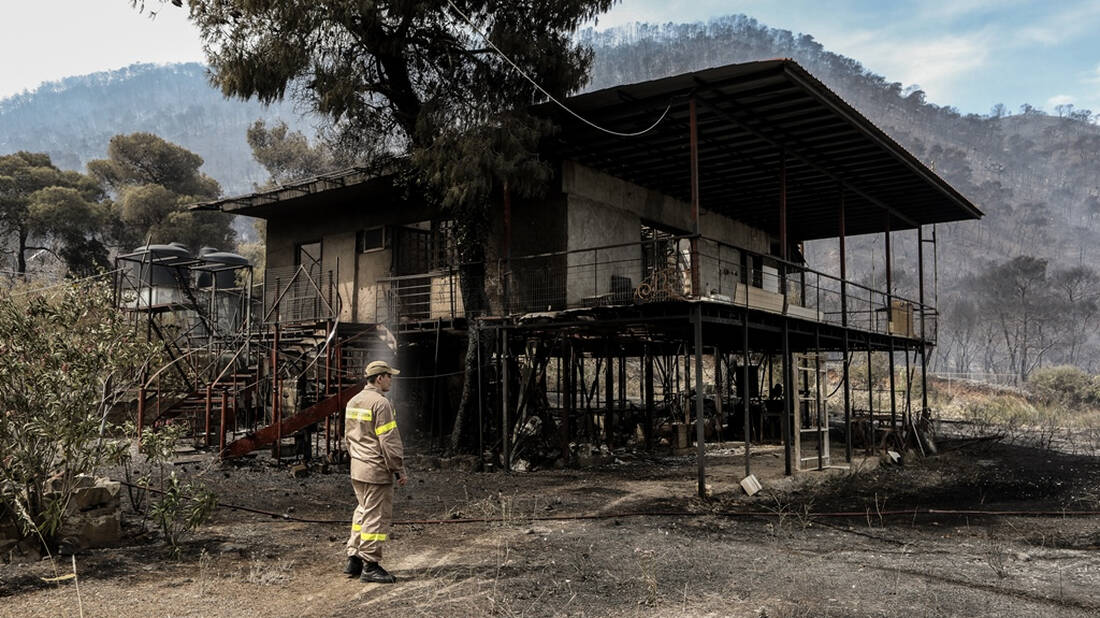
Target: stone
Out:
[102,492]
[92,529]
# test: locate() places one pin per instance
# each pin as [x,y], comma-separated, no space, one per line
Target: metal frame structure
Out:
[763,143]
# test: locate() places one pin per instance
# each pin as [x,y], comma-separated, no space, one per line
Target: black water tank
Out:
[152,265]
[224,279]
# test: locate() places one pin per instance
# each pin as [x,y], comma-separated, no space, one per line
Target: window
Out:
[371,239]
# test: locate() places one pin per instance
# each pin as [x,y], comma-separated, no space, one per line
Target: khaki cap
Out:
[379,367]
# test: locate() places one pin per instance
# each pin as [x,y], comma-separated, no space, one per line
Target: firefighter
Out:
[374,444]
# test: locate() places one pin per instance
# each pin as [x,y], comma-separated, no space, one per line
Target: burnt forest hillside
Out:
[1033,173]
[74,118]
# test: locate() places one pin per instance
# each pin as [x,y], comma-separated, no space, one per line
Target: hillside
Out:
[73,119]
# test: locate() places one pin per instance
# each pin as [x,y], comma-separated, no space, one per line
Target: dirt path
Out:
[782,563]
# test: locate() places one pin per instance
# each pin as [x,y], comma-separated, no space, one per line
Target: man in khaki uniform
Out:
[374,444]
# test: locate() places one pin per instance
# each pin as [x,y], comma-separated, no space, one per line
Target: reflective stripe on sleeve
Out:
[390,426]
[356,528]
[361,414]
[372,536]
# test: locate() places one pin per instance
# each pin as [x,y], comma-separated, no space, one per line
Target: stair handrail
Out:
[320,293]
[282,293]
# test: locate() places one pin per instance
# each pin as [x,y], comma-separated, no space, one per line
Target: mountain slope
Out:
[73,119]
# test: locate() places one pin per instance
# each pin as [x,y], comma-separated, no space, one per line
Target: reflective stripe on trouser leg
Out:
[376,503]
[356,520]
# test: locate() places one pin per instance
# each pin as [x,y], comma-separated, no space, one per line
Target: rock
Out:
[101,492]
[91,529]
[229,548]
[1023,557]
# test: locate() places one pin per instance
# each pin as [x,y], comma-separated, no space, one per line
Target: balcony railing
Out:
[300,294]
[654,271]
[429,296]
[623,274]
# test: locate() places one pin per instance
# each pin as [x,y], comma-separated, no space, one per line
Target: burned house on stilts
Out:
[662,269]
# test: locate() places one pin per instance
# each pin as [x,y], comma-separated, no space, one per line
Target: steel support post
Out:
[923,344]
[822,417]
[276,412]
[648,382]
[893,391]
[221,432]
[505,401]
[846,377]
[844,325]
[206,423]
[788,395]
[694,155]
[745,388]
[701,446]
[609,397]
[890,325]
[870,400]
[718,394]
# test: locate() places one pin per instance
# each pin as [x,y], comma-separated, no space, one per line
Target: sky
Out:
[969,54]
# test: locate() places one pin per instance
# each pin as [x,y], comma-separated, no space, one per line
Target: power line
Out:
[69,282]
[546,93]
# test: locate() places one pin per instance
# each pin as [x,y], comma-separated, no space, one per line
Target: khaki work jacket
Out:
[374,441]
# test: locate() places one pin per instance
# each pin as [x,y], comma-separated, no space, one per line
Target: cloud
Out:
[1093,76]
[962,8]
[1060,99]
[1058,26]
[936,65]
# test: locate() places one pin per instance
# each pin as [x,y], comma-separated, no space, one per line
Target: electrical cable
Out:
[68,282]
[668,513]
[546,93]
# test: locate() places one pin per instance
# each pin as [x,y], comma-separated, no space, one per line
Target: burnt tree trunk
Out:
[472,279]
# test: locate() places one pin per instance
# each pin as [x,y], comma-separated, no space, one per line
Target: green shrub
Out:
[1065,385]
[67,361]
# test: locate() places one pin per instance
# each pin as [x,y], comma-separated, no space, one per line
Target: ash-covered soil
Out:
[709,559]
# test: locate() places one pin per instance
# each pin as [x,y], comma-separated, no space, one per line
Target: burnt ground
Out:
[790,560]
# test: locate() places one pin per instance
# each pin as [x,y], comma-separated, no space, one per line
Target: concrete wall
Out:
[336,226]
[595,224]
[604,210]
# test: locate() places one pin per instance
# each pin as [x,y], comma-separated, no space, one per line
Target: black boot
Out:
[354,566]
[374,573]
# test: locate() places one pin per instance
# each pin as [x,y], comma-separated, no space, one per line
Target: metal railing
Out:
[654,271]
[300,294]
[430,296]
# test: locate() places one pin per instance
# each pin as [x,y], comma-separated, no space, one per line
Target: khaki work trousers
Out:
[371,520]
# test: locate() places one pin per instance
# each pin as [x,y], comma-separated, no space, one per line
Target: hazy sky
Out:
[966,53]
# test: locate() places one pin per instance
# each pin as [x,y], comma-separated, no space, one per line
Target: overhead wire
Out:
[63,283]
[485,37]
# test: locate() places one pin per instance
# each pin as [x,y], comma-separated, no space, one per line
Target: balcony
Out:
[658,271]
[618,275]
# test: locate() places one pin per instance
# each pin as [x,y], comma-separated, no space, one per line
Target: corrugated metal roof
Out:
[749,117]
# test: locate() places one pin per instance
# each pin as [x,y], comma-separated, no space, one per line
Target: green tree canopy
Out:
[287,155]
[43,208]
[153,181]
[395,76]
[146,159]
